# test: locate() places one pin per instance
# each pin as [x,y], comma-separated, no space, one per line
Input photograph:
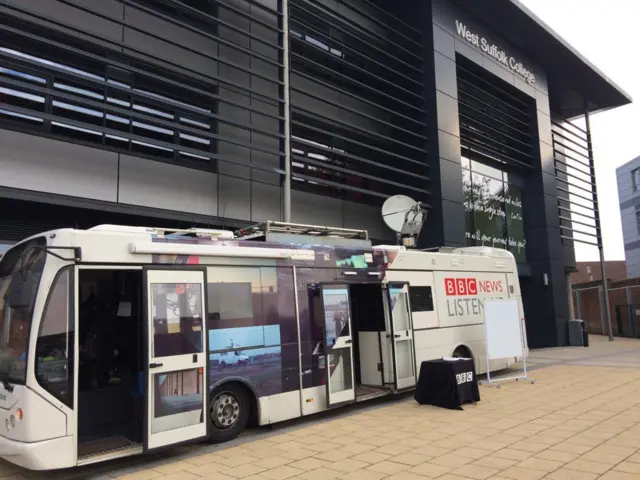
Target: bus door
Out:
[401,331]
[177,379]
[338,346]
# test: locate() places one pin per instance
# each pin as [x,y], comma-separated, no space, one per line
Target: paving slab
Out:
[579,421]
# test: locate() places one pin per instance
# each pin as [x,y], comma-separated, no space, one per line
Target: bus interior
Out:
[368,339]
[369,325]
[110,378]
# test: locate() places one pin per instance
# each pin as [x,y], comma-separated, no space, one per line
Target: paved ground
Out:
[581,420]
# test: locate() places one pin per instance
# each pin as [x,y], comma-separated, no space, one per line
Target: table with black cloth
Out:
[447,384]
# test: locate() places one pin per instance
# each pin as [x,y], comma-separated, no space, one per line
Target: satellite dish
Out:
[404,216]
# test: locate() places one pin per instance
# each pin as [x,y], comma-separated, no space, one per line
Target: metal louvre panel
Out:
[197,83]
[576,183]
[357,101]
[497,121]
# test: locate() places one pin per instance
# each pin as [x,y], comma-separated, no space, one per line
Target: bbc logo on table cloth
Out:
[464,377]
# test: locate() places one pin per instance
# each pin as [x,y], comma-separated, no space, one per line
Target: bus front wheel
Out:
[229,411]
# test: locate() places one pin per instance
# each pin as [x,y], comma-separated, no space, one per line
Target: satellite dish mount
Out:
[406,217]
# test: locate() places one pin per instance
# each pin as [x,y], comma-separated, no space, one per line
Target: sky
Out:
[606,33]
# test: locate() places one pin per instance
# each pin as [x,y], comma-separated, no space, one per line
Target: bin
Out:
[576,333]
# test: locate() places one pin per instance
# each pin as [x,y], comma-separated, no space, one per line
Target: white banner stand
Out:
[503,337]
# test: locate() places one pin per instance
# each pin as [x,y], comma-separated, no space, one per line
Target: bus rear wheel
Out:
[229,411]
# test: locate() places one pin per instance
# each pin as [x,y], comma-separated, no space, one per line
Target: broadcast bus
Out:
[122,340]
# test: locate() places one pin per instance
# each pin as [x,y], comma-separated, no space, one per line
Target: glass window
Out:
[489,213]
[635,179]
[54,348]
[515,223]
[177,319]
[233,295]
[399,309]
[177,400]
[254,335]
[469,202]
[421,299]
[493,209]
[486,170]
[15,321]
[336,313]
[340,371]
[638,218]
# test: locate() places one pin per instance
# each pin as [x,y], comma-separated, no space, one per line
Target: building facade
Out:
[628,178]
[229,112]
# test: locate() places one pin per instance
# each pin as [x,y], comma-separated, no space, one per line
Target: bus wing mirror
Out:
[22,289]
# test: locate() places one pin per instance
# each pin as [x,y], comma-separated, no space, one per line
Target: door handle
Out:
[397,335]
[347,341]
[155,365]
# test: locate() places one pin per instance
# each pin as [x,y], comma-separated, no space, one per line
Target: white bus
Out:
[116,340]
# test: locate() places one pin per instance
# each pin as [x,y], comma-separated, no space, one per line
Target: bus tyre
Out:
[229,411]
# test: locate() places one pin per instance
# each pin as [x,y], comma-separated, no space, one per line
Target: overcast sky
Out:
[605,32]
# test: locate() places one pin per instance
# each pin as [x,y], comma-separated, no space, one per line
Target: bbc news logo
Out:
[460,286]
[464,378]
[465,287]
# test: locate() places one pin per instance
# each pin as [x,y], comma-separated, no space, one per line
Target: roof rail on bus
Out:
[166,232]
[261,229]
[484,250]
[389,247]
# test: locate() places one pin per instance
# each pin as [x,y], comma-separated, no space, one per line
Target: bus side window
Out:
[421,299]
[54,348]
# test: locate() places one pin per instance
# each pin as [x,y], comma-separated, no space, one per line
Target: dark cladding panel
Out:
[197,83]
[106,26]
[266,203]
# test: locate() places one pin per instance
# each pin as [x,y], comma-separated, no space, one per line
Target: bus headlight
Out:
[12,421]
[6,423]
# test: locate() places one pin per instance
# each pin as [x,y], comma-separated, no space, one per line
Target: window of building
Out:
[499,140]
[493,209]
[54,349]
[421,299]
[638,218]
[635,179]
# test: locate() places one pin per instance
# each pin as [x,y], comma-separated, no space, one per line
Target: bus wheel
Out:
[228,412]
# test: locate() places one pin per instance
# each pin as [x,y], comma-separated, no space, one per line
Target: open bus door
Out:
[176,372]
[401,331]
[338,346]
